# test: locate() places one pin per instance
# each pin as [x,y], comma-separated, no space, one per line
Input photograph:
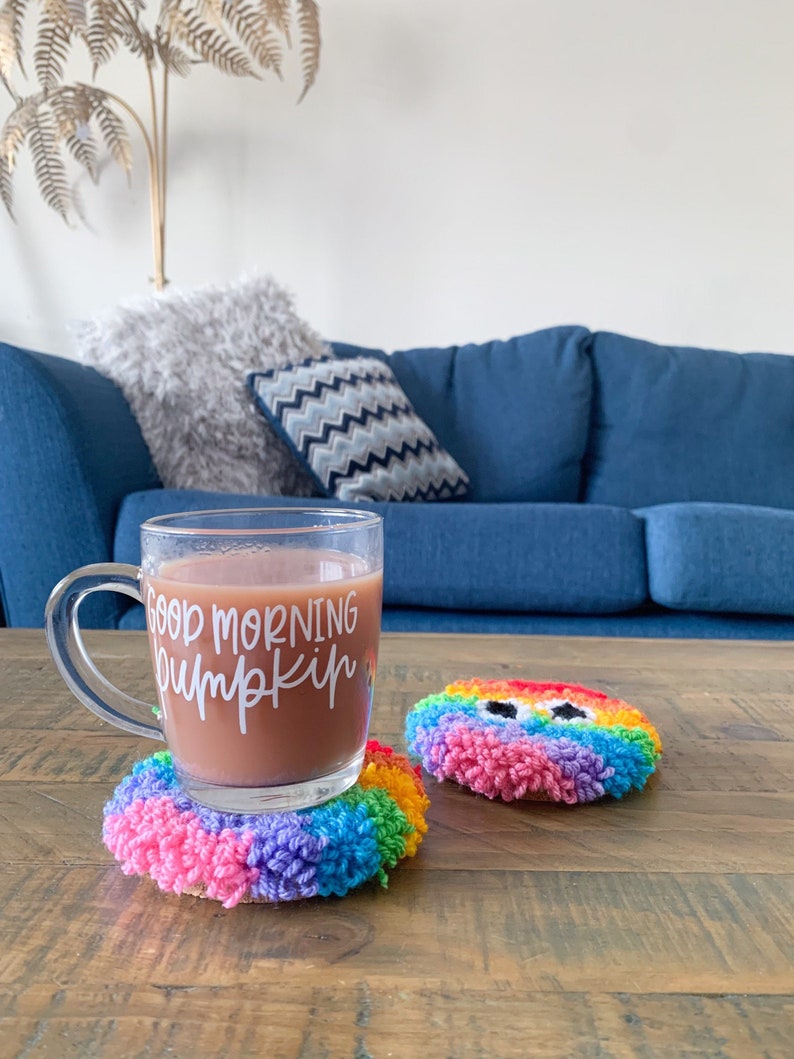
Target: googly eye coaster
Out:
[520,739]
[152,828]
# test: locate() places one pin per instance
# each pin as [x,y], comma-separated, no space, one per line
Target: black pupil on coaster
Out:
[567,711]
[501,709]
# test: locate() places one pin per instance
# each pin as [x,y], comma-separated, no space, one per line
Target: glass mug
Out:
[263,629]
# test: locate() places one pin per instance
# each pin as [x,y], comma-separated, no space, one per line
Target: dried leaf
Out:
[12,14]
[74,101]
[52,49]
[140,43]
[47,120]
[103,34]
[112,128]
[71,108]
[309,23]
[82,147]
[77,13]
[111,25]
[56,11]
[16,128]
[10,40]
[211,45]
[168,9]
[70,14]
[173,58]
[5,187]
[211,11]
[235,36]
[105,31]
[74,107]
[48,166]
[279,12]
[65,122]
[253,29]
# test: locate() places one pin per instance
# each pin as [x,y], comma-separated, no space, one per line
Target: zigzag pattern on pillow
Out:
[351,422]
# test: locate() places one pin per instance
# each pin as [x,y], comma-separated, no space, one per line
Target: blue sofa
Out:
[617,488]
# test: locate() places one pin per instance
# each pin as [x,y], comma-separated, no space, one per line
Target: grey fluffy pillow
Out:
[181,359]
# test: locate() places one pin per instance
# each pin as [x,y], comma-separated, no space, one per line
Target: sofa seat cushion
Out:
[557,558]
[650,622]
[673,424]
[514,413]
[720,557]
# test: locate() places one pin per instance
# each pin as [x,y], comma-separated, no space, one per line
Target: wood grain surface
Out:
[660,925]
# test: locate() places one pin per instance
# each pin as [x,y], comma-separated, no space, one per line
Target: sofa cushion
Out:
[514,414]
[181,360]
[559,558]
[720,557]
[649,621]
[349,421]
[675,424]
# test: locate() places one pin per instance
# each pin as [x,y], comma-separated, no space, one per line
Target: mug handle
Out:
[65,640]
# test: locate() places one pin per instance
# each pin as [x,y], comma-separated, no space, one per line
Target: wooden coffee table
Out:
[662,925]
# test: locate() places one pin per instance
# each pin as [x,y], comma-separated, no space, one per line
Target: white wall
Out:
[464,170]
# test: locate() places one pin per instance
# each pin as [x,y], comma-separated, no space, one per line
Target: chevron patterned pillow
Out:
[349,421]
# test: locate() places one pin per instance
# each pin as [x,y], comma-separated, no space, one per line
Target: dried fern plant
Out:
[77,120]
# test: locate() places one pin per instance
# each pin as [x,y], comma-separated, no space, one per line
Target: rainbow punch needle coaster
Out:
[514,739]
[153,829]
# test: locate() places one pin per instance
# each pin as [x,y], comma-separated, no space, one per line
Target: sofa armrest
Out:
[70,450]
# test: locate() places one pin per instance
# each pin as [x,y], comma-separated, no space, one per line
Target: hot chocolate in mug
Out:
[263,629]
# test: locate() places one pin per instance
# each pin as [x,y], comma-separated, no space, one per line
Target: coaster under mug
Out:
[154,829]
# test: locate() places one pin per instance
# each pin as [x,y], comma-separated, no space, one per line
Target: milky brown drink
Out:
[264,662]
